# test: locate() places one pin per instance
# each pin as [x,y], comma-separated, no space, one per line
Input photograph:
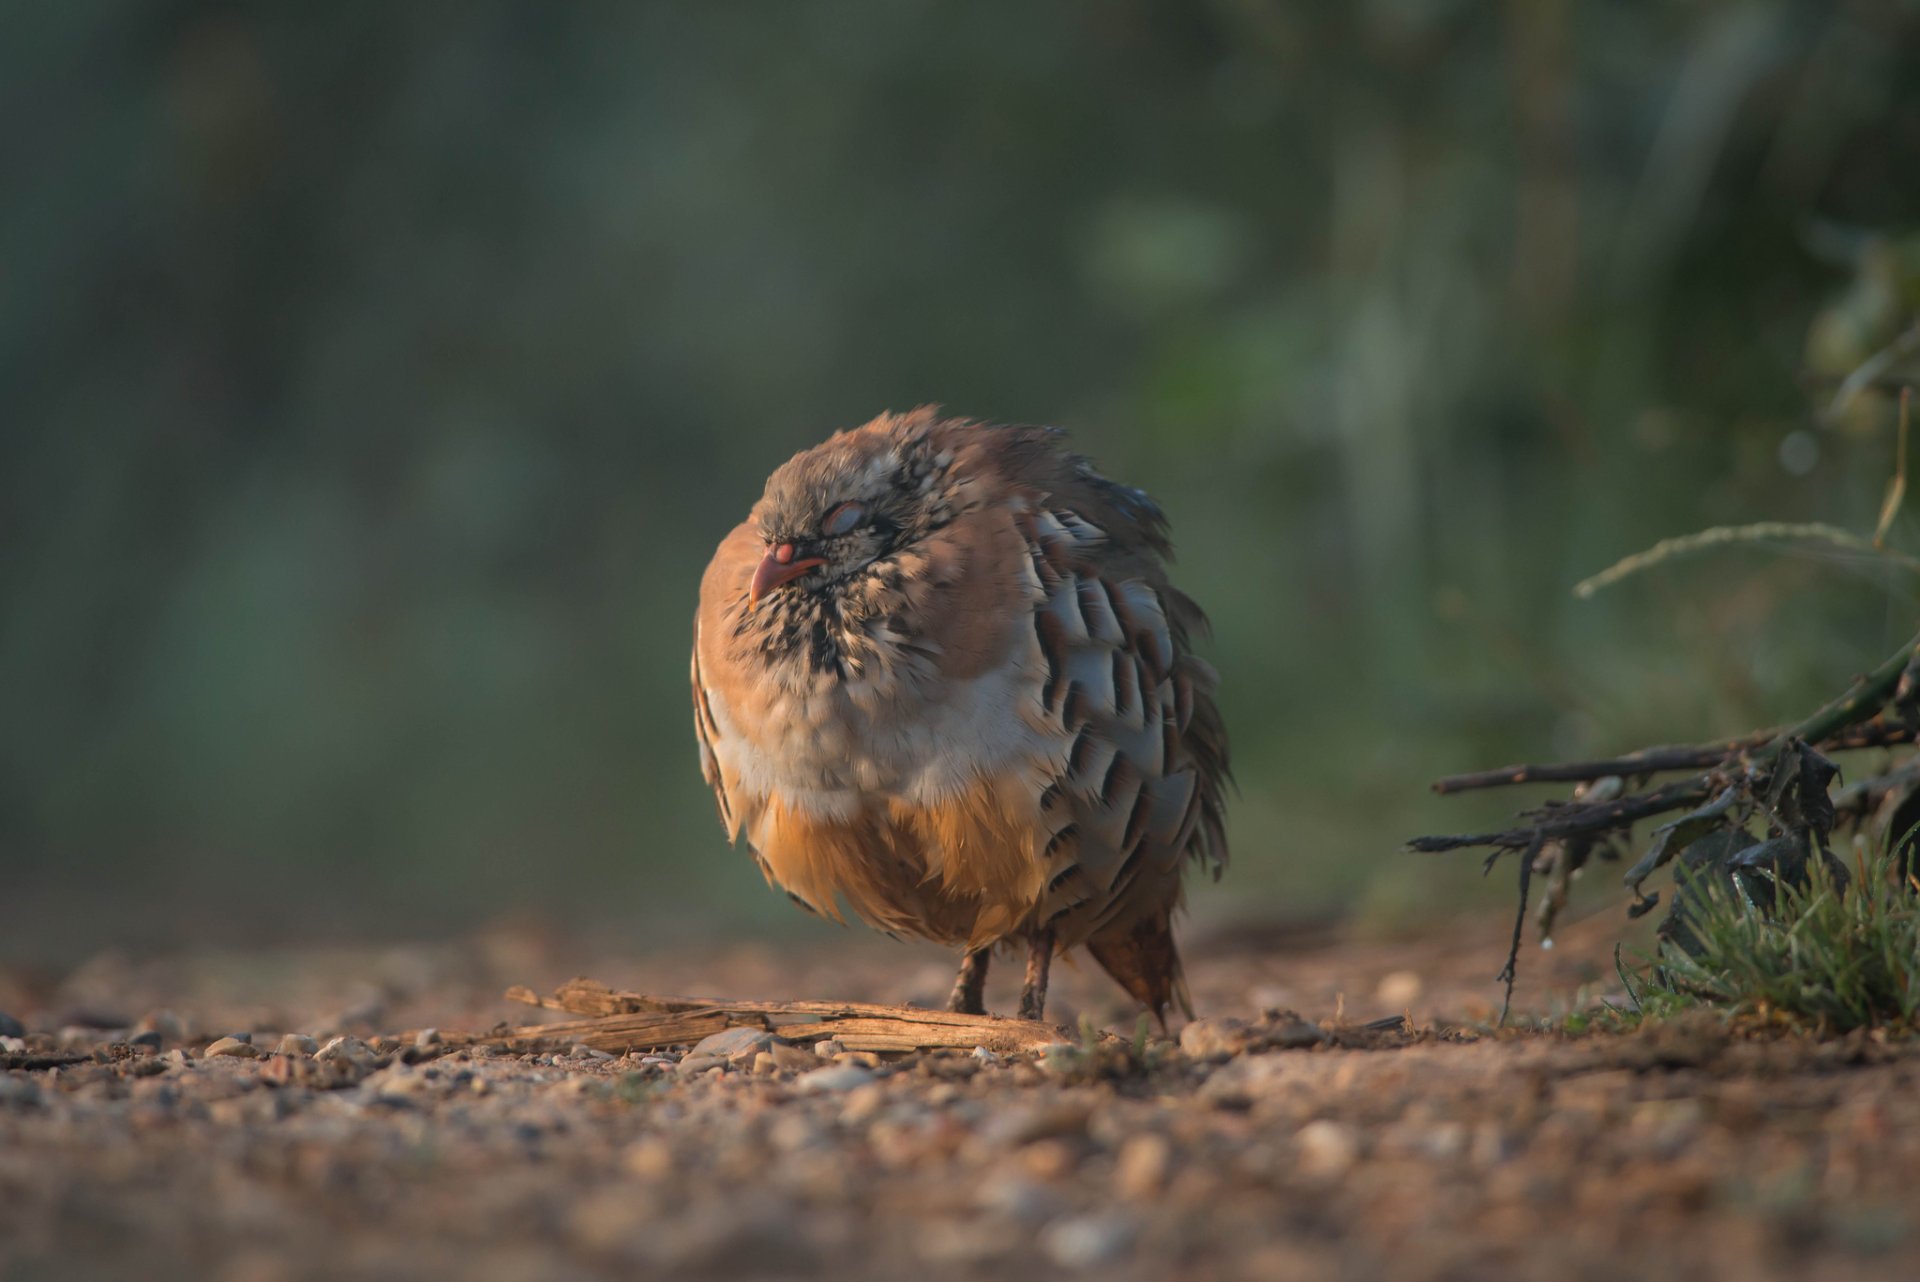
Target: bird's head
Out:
[834,510]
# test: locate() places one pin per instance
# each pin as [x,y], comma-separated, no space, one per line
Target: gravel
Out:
[1448,1152]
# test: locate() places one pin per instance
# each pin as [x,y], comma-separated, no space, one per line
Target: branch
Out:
[1646,761]
[635,1021]
[1866,696]
[1877,733]
[1578,818]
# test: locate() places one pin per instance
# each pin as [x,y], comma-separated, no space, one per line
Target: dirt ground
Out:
[1443,1152]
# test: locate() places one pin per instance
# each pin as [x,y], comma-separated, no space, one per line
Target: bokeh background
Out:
[375,380]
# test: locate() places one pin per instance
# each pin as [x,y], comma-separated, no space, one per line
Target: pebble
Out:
[164,1022]
[863,1103]
[20,1092]
[835,1077]
[234,1047]
[297,1044]
[1050,1160]
[694,1065]
[1214,1039]
[1327,1148]
[1140,1169]
[985,1056]
[349,1050]
[427,1037]
[765,1065]
[735,1044]
[1399,988]
[1297,1034]
[149,1040]
[649,1158]
[1083,1241]
[11,1027]
[13,1045]
[792,1059]
[828,1047]
[401,1083]
[1018,1198]
[1025,1124]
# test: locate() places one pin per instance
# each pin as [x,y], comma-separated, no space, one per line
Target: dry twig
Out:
[619,1022]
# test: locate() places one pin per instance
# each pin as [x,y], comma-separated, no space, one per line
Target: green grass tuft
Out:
[1834,954]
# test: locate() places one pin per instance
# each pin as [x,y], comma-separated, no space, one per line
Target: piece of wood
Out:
[639,1021]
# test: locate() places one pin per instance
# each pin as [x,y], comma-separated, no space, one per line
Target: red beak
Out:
[777,568]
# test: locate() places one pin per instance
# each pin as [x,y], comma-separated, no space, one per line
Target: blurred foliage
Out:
[377,379]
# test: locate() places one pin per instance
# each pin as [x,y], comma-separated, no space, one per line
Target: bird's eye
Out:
[847,517]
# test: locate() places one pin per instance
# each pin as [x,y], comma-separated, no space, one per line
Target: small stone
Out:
[1444,1141]
[401,1084]
[985,1056]
[1050,1160]
[765,1065]
[1399,988]
[1327,1148]
[863,1104]
[297,1044]
[1024,1124]
[11,1027]
[865,1059]
[148,1041]
[347,1050]
[283,1070]
[427,1037]
[827,1048]
[13,1045]
[649,1158]
[1297,1034]
[694,1065]
[1083,1241]
[19,1092]
[793,1059]
[164,1022]
[835,1077]
[736,1045]
[1140,1169]
[1214,1039]
[233,1047]
[1017,1198]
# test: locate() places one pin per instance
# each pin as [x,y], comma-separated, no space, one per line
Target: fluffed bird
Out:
[939,675]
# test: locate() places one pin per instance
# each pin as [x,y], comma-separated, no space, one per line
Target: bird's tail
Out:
[1143,960]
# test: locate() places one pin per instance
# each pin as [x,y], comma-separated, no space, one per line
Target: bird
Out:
[940,677]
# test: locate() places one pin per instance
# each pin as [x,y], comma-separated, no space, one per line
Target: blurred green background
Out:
[376,379]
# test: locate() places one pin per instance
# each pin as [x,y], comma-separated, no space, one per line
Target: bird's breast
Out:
[827,746]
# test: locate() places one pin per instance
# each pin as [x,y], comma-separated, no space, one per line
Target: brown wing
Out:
[1140,790]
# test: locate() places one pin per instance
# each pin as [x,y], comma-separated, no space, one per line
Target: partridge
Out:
[940,677]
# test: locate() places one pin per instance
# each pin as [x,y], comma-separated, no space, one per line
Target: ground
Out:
[1450,1151]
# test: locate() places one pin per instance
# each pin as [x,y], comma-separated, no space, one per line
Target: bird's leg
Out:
[1033,994]
[970,989]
